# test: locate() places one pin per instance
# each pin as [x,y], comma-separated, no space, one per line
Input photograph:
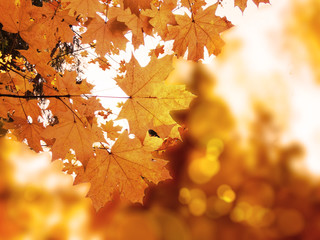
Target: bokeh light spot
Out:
[197,206]
[214,147]
[203,169]
[226,193]
[184,195]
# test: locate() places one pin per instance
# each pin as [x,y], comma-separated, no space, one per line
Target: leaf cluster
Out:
[45,101]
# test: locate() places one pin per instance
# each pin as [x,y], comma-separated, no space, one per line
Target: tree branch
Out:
[55,96]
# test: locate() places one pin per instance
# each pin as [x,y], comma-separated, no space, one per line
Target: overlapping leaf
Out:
[69,120]
[136,5]
[125,170]
[107,34]
[51,26]
[72,133]
[198,31]
[30,131]
[17,16]
[161,17]
[138,24]
[150,98]
[86,8]
[242,4]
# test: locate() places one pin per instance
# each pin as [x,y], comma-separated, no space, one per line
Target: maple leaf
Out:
[103,62]
[135,5]
[20,108]
[21,83]
[40,27]
[242,4]
[124,170]
[41,60]
[84,54]
[6,107]
[122,67]
[19,20]
[51,26]
[87,107]
[138,24]
[20,63]
[152,143]
[13,81]
[70,164]
[87,8]
[150,99]
[112,131]
[30,131]
[161,17]
[5,81]
[69,59]
[108,34]
[193,5]
[71,133]
[66,85]
[198,31]
[158,50]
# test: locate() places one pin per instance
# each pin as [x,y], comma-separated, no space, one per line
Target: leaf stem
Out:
[73,112]
[191,11]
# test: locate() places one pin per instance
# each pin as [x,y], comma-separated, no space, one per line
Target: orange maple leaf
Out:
[72,133]
[150,98]
[161,17]
[67,84]
[201,30]
[19,12]
[108,34]
[20,63]
[40,59]
[138,24]
[20,107]
[59,106]
[126,170]
[194,5]
[87,8]
[84,54]
[51,25]
[22,129]
[122,67]
[6,83]
[242,4]
[112,131]
[103,62]
[87,107]
[15,81]
[136,5]
[27,107]
[158,50]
